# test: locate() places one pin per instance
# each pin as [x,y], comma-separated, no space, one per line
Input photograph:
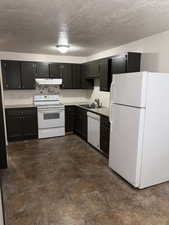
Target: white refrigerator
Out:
[139,136]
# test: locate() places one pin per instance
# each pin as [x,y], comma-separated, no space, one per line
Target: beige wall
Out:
[155,56]
[155,52]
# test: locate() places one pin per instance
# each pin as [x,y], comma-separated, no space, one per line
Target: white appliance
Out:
[51,116]
[139,117]
[48,81]
[93,134]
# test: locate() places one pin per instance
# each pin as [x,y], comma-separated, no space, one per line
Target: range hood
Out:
[48,81]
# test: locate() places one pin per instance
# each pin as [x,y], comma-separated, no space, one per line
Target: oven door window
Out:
[51,116]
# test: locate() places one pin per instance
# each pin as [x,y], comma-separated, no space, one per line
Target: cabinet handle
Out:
[5,65]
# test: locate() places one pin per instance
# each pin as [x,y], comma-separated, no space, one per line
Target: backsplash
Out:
[17,97]
[96,93]
[26,96]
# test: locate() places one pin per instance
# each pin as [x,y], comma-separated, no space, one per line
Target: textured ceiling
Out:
[91,26]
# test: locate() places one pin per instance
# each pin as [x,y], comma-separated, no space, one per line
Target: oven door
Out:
[51,117]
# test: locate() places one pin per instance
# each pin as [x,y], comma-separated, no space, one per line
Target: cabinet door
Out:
[76,76]
[104,75]
[85,84]
[14,125]
[84,124]
[66,74]
[69,118]
[133,62]
[42,70]
[77,123]
[11,74]
[3,158]
[104,134]
[54,69]
[29,123]
[119,64]
[28,72]
[92,70]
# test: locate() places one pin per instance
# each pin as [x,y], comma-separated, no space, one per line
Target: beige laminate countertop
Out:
[19,106]
[101,111]
[74,103]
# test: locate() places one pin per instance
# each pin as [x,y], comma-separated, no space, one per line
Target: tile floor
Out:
[64,181]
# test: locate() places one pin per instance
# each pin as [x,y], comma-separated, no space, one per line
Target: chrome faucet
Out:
[99,104]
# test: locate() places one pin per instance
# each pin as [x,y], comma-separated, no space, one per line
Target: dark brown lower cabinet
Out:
[3,156]
[83,114]
[21,123]
[104,134]
[80,125]
[76,120]
[69,118]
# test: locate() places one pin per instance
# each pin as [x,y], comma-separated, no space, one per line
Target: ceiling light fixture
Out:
[63,48]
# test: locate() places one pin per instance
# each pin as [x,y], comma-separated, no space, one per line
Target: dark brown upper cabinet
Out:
[105,74]
[86,83]
[76,76]
[126,63]
[93,70]
[119,64]
[28,73]
[62,71]
[66,75]
[55,71]
[11,74]
[42,70]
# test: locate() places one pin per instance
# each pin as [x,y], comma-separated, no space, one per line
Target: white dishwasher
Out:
[93,134]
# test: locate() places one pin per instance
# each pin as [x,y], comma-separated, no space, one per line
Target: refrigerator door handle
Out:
[110,113]
[110,101]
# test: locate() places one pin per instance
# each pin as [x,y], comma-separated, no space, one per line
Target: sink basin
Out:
[89,106]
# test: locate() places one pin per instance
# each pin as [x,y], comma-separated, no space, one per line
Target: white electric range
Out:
[51,116]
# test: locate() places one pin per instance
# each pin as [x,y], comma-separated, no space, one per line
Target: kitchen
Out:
[68,114]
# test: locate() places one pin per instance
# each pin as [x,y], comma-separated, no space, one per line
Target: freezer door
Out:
[126,142]
[129,89]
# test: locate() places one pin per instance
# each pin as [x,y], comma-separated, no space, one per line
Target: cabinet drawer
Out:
[13,112]
[21,111]
[29,111]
